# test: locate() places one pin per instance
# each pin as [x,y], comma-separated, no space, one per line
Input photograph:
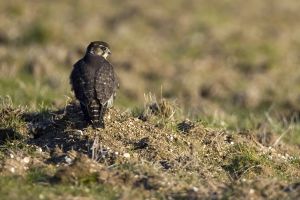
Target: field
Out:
[208,105]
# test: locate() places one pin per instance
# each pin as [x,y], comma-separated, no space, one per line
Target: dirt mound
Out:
[151,157]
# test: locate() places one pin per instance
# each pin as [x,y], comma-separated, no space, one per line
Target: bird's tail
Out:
[96,113]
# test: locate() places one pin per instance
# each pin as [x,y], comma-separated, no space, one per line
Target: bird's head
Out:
[98,48]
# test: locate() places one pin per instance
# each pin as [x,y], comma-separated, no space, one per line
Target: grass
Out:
[28,190]
[149,157]
[224,125]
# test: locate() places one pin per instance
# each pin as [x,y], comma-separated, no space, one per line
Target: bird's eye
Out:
[103,48]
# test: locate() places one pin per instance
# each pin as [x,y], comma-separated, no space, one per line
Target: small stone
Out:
[126,155]
[11,155]
[287,156]
[68,160]
[12,169]
[270,157]
[80,132]
[26,160]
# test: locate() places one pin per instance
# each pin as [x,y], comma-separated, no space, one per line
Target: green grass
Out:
[17,188]
[173,161]
[225,120]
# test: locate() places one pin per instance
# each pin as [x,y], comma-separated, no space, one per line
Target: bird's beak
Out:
[109,52]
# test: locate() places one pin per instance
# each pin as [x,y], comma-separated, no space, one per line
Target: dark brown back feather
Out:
[93,81]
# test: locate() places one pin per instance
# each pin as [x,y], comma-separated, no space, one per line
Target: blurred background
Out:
[227,58]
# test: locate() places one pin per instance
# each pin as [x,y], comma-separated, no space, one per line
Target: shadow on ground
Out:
[61,129]
[8,134]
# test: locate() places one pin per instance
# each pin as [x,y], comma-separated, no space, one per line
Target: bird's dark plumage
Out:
[94,83]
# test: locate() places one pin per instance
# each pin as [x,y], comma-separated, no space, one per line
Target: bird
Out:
[94,83]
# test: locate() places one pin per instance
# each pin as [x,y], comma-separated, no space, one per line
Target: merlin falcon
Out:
[94,83]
